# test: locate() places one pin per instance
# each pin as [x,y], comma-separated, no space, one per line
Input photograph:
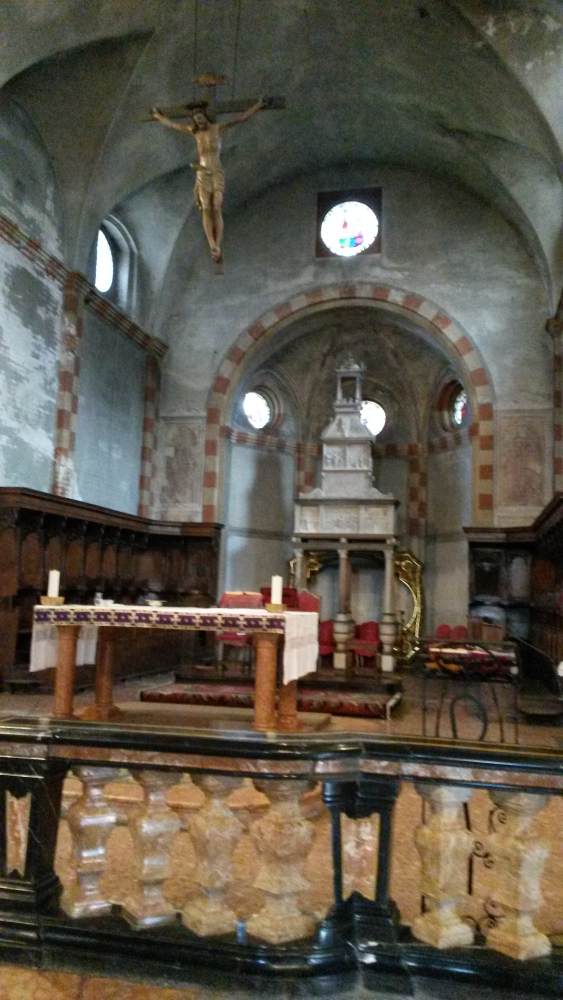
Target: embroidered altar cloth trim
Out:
[299,628]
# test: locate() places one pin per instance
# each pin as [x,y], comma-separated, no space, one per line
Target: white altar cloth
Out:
[44,646]
[299,629]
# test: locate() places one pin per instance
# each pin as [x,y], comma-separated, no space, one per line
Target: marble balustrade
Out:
[328,852]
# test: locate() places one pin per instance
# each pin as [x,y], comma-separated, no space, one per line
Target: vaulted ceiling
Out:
[467,89]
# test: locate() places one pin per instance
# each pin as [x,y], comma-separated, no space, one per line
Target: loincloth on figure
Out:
[207,182]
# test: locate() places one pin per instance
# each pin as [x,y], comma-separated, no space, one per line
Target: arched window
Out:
[113,264]
[105,264]
[453,406]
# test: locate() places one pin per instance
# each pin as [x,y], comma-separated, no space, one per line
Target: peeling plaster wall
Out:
[110,417]
[30,309]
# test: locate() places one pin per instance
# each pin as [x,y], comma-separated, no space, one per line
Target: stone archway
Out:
[448,333]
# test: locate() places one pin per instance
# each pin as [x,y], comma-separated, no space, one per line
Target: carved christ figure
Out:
[209,184]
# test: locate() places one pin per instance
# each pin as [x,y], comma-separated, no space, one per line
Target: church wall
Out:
[391,476]
[30,308]
[439,242]
[110,417]
[446,561]
[258,518]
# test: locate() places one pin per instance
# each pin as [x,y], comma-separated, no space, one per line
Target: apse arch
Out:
[450,335]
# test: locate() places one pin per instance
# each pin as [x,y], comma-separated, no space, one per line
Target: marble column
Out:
[445,846]
[388,626]
[343,625]
[519,857]
[299,569]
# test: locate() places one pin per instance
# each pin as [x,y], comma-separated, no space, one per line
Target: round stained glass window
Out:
[373,416]
[104,263]
[257,410]
[349,228]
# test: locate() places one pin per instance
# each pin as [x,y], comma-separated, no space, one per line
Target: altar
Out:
[59,630]
[347,513]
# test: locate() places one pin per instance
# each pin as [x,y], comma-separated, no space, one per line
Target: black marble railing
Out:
[273,855]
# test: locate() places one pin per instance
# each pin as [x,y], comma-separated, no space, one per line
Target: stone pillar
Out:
[153,828]
[91,820]
[68,385]
[215,832]
[283,838]
[299,569]
[152,382]
[519,857]
[388,626]
[343,625]
[445,846]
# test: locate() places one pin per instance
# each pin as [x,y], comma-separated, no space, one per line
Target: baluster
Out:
[519,857]
[444,845]
[153,826]
[91,820]
[283,838]
[215,832]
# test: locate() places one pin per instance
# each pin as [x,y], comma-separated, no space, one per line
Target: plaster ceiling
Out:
[468,89]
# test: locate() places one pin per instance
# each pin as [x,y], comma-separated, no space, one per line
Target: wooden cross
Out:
[210,81]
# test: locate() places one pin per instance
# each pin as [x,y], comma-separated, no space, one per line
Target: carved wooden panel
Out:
[74,562]
[8,562]
[109,562]
[92,560]
[31,561]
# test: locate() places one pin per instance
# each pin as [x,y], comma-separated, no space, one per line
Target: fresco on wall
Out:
[522,459]
[181,477]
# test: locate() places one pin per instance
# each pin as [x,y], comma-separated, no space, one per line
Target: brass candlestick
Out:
[276,608]
[45,599]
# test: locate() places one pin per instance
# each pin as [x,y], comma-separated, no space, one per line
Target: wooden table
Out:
[267,629]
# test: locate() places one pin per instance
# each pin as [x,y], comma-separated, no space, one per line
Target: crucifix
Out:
[206,131]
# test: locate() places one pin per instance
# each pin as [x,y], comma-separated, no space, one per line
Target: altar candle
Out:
[53,584]
[276,589]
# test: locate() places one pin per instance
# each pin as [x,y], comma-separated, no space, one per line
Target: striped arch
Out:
[447,332]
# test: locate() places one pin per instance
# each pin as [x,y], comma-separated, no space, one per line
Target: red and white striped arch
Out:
[448,333]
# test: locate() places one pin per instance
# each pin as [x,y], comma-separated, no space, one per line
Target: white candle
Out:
[53,584]
[276,589]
